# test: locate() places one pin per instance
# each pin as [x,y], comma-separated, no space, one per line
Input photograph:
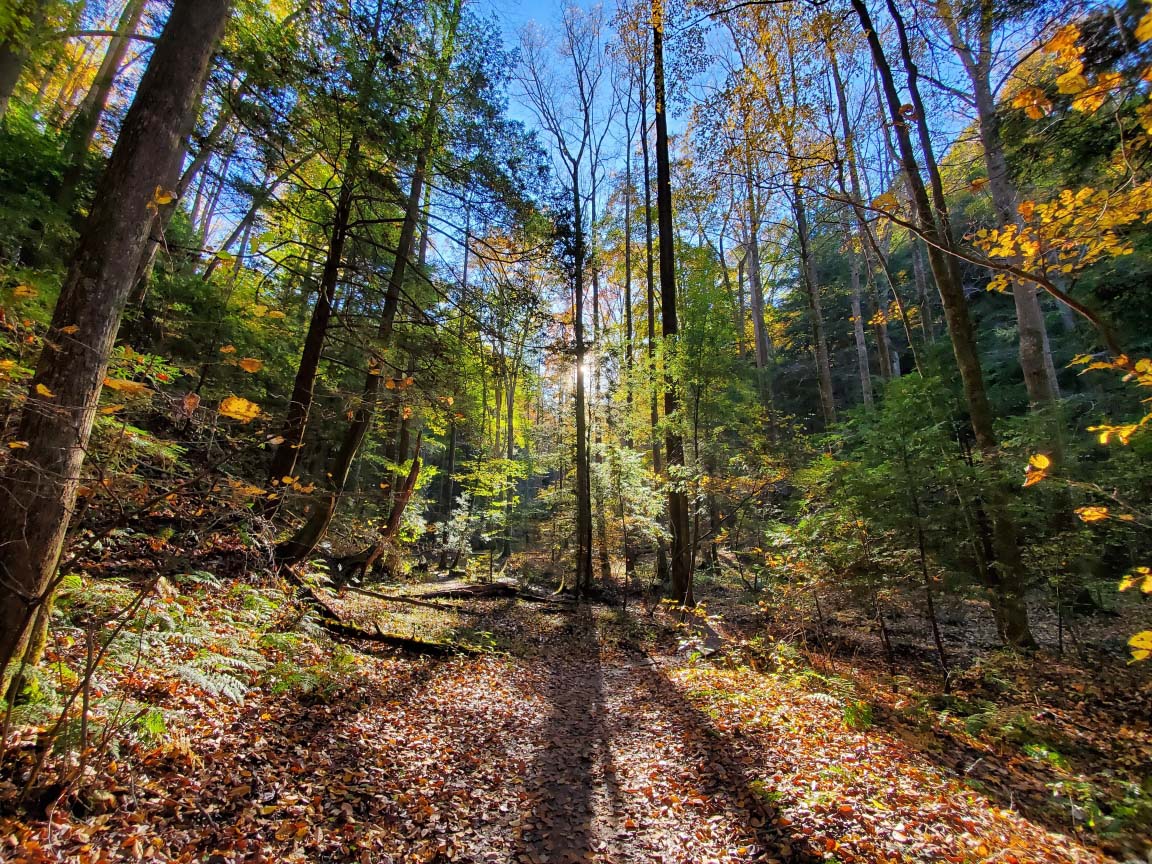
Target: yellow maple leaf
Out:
[1071,83]
[24,292]
[1141,645]
[251,364]
[111,409]
[228,349]
[45,392]
[239,408]
[17,445]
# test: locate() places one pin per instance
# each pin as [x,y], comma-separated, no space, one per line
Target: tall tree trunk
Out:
[869,248]
[86,120]
[304,387]
[583,478]
[650,297]
[858,331]
[301,544]
[815,309]
[678,516]
[1006,579]
[629,347]
[57,419]
[1035,362]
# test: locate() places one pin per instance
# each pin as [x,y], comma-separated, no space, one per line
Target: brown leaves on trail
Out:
[574,751]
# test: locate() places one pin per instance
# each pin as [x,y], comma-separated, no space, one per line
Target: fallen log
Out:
[404,643]
[331,621]
[413,601]
[490,591]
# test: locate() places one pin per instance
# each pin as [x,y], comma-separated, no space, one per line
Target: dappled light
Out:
[635,432]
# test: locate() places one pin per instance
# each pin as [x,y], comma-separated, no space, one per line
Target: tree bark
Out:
[301,544]
[815,309]
[1035,361]
[678,516]
[39,489]
[304,386]
[86,120]
[1006,579]
[858,331]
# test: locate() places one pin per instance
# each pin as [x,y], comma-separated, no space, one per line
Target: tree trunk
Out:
[815,310]
[677,500]
[1033,338]
[1006,580]
[661,573]
[300,545]
[86,120]
[858,331]
[583,478]
[304,387]
[57,418]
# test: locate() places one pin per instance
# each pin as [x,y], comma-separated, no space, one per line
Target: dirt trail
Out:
[571,747]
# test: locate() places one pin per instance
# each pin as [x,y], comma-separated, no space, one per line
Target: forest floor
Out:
[570,733]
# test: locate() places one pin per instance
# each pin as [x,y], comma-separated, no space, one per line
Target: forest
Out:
[621,431]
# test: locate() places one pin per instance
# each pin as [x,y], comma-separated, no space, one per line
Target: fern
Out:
[213,682]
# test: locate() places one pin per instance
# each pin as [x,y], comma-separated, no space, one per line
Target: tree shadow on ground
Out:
[728,771]
[573,767]
[575,805]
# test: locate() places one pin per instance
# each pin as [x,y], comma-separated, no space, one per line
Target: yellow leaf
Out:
[1026,209]
[239,409]
[1071,83]
[17,445]
[276,313]
[24,292]
[1034,101]
[251,364]
[1033,477]
[1141,576]
[111,409]
[1144,28]
[228,349]
[161,197]
[70,330]
[128,388]
[1141,645]
[390,384]
[979,183]
[887,201]
[1040,462]
[1092,514]
[1064,40]
[45,392]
